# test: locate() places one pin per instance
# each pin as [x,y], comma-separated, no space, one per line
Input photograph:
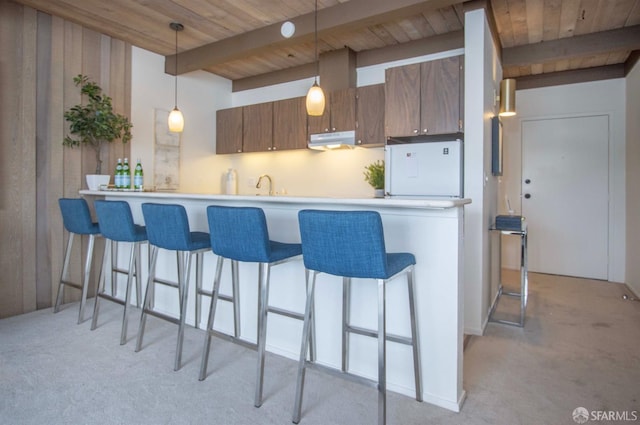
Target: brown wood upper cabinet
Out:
[424,98]
[289,124]
[370,115]
[257,131]
[339,113]
[229,131]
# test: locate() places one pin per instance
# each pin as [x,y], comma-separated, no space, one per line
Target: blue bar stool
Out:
[116,225]
[168,228]
[77,221]
[240,234]
[351,244]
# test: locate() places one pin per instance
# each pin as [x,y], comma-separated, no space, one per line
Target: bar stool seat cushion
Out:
[116,222]
[362,255]
[169,230]
[76,217]
[240,234]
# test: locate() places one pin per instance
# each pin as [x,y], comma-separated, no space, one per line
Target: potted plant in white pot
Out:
[374,175]
[95,124]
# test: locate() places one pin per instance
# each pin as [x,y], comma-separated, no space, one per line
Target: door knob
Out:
[527,196]
[527,181]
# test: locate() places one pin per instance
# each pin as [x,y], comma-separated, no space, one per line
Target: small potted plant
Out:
[95,124]
[374,175]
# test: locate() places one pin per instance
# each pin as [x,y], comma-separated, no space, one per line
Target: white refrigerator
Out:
[430,169]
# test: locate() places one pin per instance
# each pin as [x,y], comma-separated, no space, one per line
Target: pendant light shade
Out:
[315,101]
[315,95]
[176,120]
[507,97]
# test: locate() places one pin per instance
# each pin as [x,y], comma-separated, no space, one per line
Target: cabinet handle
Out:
[359,142]
[274,148]
[333,129]
[269,148]
[426,130]
[239,150]
[326,130]
[415,131]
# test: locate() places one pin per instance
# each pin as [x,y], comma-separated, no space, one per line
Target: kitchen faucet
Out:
[270,183]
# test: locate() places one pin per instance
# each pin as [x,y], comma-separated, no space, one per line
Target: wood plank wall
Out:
[39,56]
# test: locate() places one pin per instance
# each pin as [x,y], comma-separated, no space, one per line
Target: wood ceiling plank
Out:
[634,15]
[453,20]
[383,34]
[503,22]
[569,13]
[535,15]
[551,19]
[437,22]
[396,32]
[518,15]
[586,17]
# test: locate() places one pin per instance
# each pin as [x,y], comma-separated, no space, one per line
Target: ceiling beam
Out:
[627,38]
[584,75]
[342,17]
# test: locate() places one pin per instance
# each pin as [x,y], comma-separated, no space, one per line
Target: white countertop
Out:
[393,202]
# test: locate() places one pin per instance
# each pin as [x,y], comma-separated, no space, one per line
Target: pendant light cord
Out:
[316,40]
[176,71]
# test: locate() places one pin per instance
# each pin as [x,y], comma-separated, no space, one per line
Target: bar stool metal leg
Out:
[199,267]
[263,295]
[235,283]
[64,273]
[212,314]
[85,277]
[106,260]
[414,335]
[148,296]
[297,408]
[346,314]
[183,282]
[382,352]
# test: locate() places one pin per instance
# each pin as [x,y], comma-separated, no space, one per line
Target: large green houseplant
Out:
[94,123]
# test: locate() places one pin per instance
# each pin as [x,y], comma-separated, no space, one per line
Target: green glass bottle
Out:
[126,175]
[138,176]
[117,178]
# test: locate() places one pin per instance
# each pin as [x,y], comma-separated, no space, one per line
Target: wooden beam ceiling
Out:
[342,17]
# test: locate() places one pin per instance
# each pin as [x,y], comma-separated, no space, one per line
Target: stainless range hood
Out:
[336,140]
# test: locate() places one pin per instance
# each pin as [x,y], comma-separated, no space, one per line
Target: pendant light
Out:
[176,120]
[315,96]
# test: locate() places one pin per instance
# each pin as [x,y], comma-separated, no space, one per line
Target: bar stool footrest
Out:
[72,284]
[340,374]
[374,334]
[287,313]
[111,298]
[163,316]
[247,344]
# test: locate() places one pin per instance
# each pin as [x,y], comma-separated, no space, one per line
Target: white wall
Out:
[482,75]
[601,97]
[632,277]
[200,94]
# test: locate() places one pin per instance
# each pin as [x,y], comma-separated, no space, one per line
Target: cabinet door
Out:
[229,131]
[343,110]
[290,124]
[370,115]
[402,101]
[441,96]
[257,134]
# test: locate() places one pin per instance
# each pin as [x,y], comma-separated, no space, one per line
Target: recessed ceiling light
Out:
[287,29]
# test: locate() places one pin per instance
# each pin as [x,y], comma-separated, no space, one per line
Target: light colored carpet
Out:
[580,347]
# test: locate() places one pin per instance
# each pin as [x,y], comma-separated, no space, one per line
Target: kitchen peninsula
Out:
[430,228]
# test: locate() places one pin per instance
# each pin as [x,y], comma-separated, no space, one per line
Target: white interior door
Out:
[565,188]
